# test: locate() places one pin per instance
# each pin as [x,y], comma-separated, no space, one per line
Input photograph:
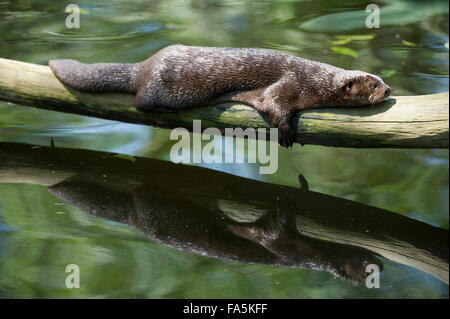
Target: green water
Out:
[40,234]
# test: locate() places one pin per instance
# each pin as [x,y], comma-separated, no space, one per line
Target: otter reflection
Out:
[223,216]
[182,222]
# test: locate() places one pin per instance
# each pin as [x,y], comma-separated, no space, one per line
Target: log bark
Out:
[400,122]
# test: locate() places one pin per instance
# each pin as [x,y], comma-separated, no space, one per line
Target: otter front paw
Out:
[286,135]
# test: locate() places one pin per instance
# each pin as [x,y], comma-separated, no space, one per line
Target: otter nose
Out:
[387,92]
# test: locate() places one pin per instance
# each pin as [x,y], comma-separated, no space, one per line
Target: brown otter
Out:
[274,83]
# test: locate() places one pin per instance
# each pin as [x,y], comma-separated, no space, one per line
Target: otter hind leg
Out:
[149,101]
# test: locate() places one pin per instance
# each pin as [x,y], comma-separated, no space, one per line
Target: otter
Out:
[275,83]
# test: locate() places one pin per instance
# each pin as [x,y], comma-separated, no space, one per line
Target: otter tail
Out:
[97,77]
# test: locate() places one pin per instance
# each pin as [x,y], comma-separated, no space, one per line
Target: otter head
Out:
[356,88]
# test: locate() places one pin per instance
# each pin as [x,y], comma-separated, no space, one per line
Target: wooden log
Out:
[400,122]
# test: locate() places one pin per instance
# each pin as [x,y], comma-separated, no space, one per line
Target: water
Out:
[40,233]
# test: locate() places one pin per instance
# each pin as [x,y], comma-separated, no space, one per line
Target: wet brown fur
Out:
[274,83]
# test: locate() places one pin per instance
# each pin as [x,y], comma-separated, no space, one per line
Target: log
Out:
[400,122]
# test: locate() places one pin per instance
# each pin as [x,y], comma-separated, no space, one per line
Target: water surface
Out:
[40,234]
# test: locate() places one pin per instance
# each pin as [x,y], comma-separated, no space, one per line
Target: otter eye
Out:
[373,86]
